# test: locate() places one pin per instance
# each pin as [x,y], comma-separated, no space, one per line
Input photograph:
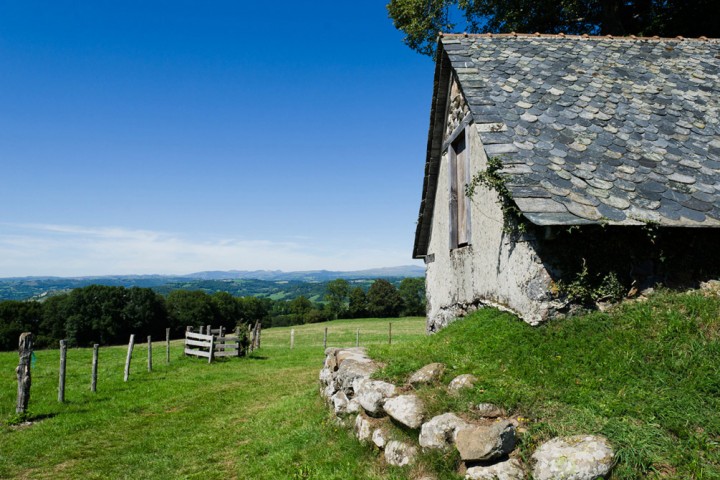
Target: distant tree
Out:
[383,299]
[300,307]
[189,307]
[15,318]
[228,310]
[95,315]
[54,314]
[254,309]
[144,313]
[422,20]
[357,307]
[336,296]
[412,292]
[318,314]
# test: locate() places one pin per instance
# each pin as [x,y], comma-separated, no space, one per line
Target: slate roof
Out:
[617,130]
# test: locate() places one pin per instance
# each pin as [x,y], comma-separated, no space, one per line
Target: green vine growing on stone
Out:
[491,178]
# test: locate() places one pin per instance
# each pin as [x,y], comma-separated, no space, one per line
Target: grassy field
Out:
[259,417]
[646,375]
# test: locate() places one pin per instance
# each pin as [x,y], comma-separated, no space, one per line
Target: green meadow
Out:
[259,417]
[645,374]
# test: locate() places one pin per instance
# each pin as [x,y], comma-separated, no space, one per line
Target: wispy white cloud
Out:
[72,250]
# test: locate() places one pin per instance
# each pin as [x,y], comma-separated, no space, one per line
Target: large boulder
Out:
[400,454]
[581,457]
[428,374]
[439,432]
[485,442]
[510,469]
[406,409]
[371,394]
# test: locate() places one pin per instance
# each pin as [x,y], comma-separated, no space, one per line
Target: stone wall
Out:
[382,415]
[496,269]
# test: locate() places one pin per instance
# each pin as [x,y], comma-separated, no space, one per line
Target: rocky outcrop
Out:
[582,457]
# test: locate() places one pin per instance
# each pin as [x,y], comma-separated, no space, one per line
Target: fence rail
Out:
[213,345]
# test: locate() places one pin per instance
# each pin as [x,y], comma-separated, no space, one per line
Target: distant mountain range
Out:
[275,284]
[311,275]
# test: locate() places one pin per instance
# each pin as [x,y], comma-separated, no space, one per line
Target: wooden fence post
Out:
[149,353]
[187,329]
[93,380]
[25,349]
[63,358]
[357,337]
[251,334]
[212,348]
[292,338]
[390,333]
[167,346]
[237,334]
[129,356]
[325,339]
[259,333]
[202,330]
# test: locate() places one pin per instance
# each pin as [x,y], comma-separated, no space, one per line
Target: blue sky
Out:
[175,136]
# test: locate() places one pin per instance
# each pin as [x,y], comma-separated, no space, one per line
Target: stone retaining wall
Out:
[486,444]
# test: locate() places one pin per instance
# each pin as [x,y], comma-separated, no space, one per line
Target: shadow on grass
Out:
[21,421]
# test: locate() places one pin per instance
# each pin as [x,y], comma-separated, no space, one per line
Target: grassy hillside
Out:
[255,418]
[646,375]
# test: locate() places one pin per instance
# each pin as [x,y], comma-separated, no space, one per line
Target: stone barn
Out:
[593,165]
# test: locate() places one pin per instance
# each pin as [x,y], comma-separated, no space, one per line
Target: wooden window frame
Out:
[460,228]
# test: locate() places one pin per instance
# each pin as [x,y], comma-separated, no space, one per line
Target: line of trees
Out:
[109,314]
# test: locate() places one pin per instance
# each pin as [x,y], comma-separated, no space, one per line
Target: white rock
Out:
[582,457]
[510,469]
[379,438]
[372,394]
[439,432]
[328,392]
[428,374]
[406,409]
[400,454]
[326,376]
[353,406]
[465,380]
[351,369]
[340,402]
[363,428]
[485,442]
[488,410]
